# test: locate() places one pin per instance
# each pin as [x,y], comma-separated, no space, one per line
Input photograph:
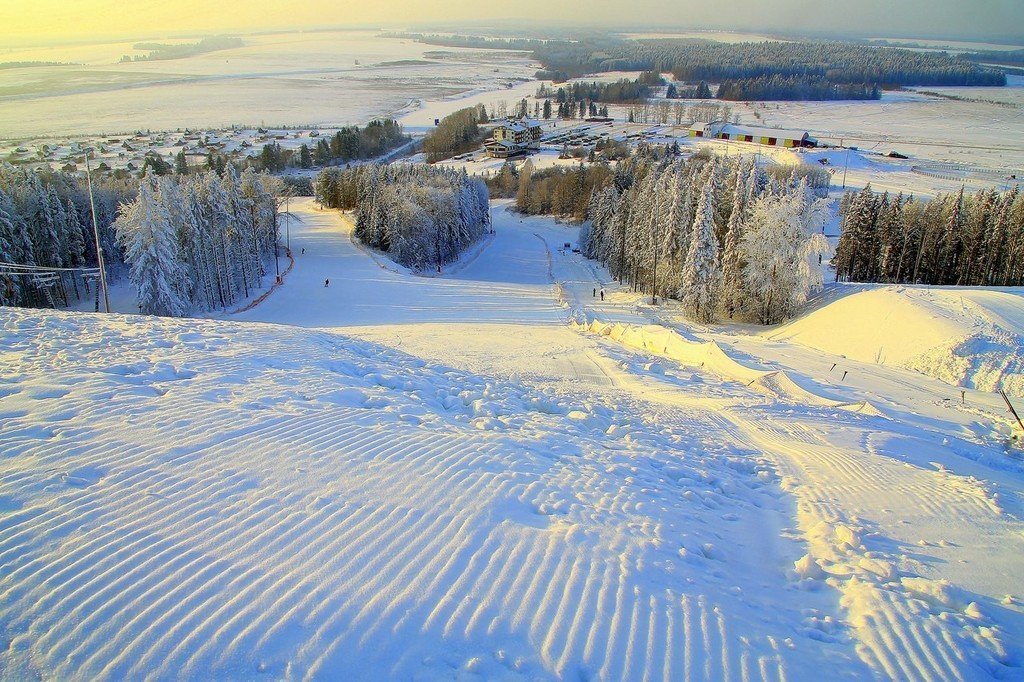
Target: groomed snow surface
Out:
[453,477]
[967,336]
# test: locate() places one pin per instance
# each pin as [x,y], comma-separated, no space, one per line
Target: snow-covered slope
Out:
[968,337]
[190,499]
[477,490]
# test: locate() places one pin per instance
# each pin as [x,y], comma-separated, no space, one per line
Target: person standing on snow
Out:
[327,283]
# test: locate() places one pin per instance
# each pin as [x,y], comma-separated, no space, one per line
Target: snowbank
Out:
[968,337]
[711,357]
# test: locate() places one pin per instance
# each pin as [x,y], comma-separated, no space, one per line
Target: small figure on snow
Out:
[595,292]
[602,294]
[327,283]
[303,250]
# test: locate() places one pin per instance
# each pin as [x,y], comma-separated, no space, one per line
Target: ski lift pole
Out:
[846,163]
[1010,406]
[96,236]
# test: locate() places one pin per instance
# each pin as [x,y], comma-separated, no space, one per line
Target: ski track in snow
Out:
[501,497]
[316,515]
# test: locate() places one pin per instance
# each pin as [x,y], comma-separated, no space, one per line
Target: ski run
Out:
[492,473]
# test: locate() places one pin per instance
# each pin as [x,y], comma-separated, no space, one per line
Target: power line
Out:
[42,268]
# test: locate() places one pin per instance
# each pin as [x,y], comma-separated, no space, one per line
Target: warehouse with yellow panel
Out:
[720,130]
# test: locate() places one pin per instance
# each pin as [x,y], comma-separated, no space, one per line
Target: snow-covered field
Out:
[301,79]
[440,477]
[983,134]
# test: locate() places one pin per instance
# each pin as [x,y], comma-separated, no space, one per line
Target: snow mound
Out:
[968,337]
[709,356]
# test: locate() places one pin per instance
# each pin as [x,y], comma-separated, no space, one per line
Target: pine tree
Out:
[151,250]
[180,163]
[305,157]
[732,265]
[952,240]
[702,272]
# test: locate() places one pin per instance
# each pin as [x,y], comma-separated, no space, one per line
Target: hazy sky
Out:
[23,21]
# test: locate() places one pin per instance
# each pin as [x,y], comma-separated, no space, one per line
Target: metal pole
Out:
[1010,406]
[96,236]
[846,164]
[654,278]
[288,222]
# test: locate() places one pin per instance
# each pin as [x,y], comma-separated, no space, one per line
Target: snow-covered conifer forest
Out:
[200,242]
[964,239]
[45,221]
[723,237]
[419,215]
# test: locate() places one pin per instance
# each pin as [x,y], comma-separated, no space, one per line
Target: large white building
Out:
[514,137]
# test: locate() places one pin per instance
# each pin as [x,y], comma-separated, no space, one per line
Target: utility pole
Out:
[654,276]
[288,223]
[846,163]
[96,236]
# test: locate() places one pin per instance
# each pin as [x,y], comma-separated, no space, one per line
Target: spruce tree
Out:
[702,272]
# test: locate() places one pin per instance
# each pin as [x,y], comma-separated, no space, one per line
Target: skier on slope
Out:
[327,283]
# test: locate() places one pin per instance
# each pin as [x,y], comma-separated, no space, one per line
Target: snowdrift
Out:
[710,356]
[973,338]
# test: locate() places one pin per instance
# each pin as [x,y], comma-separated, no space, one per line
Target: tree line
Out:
[350,143]
[794,88]
[837,62]
[557,190]
[956,238]
[45,221]
[622,90]
[199,242]
[697,60]
[457,132]
[421,216]
[161,51]
[721,236]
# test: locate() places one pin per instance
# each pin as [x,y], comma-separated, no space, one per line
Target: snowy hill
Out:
[450,481]
[967,337]
[256,499]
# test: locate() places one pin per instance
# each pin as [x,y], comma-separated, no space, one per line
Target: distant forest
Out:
[159,51]
[766,70]
[1002,57]
[28,65]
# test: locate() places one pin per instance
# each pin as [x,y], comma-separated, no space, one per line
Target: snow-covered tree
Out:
[780,249]
[702,275]
[422,216]
[152,251]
